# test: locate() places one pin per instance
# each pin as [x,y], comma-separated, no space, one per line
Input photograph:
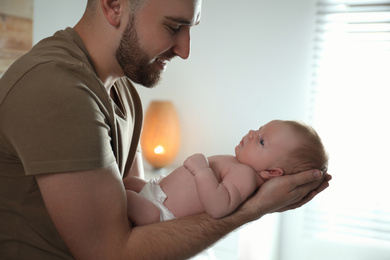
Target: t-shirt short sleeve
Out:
[60,124]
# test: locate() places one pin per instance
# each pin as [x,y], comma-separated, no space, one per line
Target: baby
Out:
[219,184]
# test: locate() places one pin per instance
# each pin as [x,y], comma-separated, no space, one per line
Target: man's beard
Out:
[134,61]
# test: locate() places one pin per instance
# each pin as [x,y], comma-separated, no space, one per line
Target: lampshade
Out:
[160,139]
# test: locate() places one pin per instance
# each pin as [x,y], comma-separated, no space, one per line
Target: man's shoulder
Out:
[59,51]
[54,62]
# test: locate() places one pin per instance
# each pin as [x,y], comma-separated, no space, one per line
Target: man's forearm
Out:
[180,238]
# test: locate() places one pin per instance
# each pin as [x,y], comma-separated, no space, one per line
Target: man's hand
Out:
[286,192]
[195,163]
[323,184]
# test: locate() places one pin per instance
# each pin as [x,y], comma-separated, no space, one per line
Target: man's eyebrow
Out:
[181,20]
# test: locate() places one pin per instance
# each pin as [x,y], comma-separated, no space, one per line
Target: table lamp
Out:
[160,138]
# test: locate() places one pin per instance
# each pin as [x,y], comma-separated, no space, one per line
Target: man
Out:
[69,129]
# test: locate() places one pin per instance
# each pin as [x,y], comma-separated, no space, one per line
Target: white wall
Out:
[249,64]
[53,15]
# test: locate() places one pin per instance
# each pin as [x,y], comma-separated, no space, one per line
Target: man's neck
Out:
[102,53]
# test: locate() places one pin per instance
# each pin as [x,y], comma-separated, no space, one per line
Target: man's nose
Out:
[182,47]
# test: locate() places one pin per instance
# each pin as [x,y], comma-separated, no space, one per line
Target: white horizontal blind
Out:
[351,112]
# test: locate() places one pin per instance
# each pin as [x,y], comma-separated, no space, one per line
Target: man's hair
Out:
[311,154]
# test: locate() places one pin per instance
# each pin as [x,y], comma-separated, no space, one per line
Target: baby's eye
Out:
[262,142]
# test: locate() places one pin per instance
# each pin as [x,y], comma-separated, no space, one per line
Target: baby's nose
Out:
[251,134]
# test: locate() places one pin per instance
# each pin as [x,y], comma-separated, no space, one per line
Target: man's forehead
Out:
[183,20]
[186,12]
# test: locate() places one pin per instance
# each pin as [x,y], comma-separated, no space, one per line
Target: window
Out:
[351,112]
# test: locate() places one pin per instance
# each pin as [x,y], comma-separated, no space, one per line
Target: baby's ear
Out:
[273,172]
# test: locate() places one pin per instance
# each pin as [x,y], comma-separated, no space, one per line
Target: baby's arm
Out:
[218,199]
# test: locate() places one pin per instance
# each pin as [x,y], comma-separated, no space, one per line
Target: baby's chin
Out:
[236,150]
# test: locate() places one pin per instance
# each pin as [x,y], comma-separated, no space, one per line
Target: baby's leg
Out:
[134,183]
[141,211]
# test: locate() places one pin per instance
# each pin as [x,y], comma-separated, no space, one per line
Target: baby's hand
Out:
[196,162]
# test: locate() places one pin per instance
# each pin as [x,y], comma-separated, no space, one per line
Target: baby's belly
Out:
[182,196]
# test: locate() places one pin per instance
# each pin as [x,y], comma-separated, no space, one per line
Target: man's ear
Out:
[271,173]
[112,10]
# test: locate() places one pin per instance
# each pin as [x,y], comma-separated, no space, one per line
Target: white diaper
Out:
[153,192]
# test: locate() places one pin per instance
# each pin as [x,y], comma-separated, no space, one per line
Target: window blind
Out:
[351,112]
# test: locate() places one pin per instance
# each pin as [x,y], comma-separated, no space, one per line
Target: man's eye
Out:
[261,141]
[173,29]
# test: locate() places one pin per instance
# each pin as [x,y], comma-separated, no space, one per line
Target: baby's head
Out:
[282,147]
[309,154]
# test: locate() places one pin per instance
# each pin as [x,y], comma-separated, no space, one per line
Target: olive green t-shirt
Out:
[56,116]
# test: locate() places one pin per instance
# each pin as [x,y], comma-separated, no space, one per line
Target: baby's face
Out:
[263,148]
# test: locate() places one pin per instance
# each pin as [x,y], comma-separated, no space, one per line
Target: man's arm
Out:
[89,211]
[137,168]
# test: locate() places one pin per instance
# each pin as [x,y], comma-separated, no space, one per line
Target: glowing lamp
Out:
[160,139]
